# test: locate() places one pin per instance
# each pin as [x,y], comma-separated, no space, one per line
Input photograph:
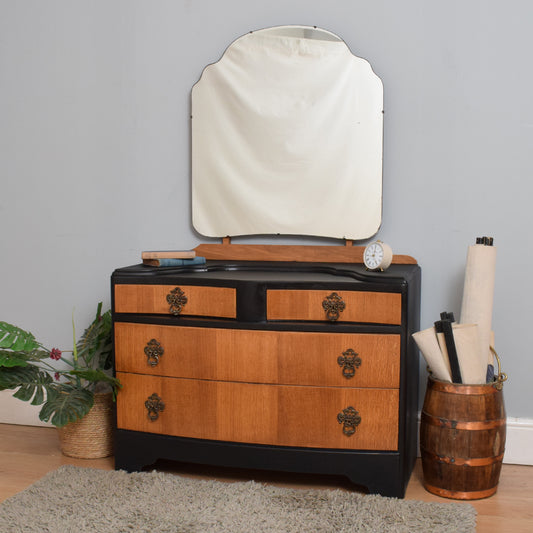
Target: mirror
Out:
[287,137]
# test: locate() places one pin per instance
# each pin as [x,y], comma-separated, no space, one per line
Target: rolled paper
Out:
[444,351]
[472,359]
[478,293]
[428,345]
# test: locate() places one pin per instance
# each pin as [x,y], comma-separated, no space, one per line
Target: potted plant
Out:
[72,389]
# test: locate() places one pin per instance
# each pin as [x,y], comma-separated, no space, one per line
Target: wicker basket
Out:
[92,436]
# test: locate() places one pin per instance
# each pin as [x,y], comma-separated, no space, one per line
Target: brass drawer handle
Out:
[154,405]
[350,419]
[333,305]
[176,299]
[350,361]
[153,351]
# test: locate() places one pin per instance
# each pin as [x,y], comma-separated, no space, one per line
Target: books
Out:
[173,262]
[169,254]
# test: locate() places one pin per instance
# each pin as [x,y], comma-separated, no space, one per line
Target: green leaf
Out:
[31,382]
[17,339]
[40,386]
[96,376]
[9,359]
[66,404]
[105,358]
[14,377]
[37,355]
[96,339]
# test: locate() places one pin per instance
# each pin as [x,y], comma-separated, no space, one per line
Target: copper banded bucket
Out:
[462,439]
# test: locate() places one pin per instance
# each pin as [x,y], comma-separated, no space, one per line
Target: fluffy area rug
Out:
[73,499]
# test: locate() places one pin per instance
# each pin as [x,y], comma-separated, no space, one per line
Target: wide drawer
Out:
[342,306]
[285,357]
[317,417]
[177,300]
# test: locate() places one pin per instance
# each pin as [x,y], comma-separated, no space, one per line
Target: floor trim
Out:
[519,441]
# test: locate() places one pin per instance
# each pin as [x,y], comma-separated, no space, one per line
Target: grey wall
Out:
[94,144]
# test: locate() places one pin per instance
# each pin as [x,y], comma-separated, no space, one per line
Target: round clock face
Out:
[373,256]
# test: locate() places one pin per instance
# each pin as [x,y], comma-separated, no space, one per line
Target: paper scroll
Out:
[472,359]
[478,293]
[429,346]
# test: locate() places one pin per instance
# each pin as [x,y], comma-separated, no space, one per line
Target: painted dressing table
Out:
[291,358]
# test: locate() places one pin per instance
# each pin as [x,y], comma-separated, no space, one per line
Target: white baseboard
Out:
[13,411]
[518,442]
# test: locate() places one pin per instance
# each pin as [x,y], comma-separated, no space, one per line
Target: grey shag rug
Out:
[73,499]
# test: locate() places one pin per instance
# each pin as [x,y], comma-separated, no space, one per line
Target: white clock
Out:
[377,256]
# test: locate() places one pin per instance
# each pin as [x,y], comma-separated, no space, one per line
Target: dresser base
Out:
[382,473]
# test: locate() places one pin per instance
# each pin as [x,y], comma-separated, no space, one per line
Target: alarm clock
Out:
[377,256]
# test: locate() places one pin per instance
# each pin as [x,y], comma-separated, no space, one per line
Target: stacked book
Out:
[171,258]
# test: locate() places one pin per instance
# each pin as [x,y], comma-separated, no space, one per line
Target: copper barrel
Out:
[462,439]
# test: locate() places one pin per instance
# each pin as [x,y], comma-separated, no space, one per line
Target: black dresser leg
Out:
[130,456]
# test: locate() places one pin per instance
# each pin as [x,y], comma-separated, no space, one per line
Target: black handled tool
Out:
[445,326]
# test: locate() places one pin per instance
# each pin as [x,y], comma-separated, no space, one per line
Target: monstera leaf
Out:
[10,359]
[31,382]
[97,376]
[96,339]
[16,339]
[65,404]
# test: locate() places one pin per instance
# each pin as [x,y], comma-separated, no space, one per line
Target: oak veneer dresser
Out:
[283,365]
[290,358]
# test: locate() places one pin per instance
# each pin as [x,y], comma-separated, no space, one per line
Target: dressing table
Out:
[281,357]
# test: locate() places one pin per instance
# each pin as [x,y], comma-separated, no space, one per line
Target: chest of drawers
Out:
[300,367]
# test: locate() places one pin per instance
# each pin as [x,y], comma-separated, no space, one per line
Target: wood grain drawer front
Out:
[316,417]
[341,306]
[184,299]
[305,358]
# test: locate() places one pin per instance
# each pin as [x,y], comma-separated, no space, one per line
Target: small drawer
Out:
[176,300]
[334,306]
[284,357]
[316,417]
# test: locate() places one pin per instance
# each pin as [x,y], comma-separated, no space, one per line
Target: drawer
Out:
[341,306]
[177,300]
[316,417]
[286,357]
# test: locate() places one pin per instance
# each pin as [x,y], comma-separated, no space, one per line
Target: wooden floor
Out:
[27,453]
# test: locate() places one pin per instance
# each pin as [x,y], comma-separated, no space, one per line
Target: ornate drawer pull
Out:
[176,299]
[349,360]
[350,419]
[153,351]
[154,405]
[333,305]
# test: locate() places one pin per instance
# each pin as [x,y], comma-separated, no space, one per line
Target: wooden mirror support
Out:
[284,252]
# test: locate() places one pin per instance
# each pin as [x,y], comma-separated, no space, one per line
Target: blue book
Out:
[174,262]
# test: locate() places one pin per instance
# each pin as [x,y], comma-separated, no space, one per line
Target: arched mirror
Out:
[287,137]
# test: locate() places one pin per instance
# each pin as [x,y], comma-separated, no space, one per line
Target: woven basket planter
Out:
[92,436]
